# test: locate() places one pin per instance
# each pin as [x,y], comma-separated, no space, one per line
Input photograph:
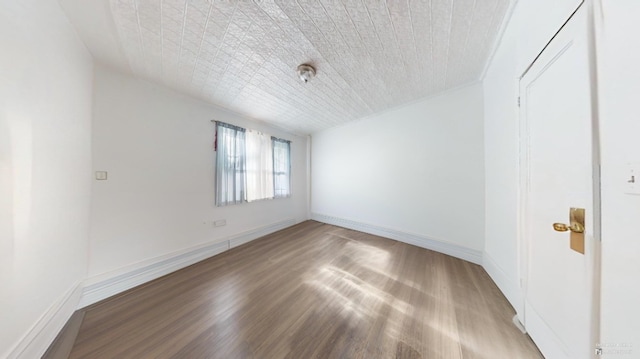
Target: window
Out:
[281,167]
[230,164]
[250,165]
[259,166]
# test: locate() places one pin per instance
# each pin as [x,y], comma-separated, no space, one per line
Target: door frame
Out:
[523,165]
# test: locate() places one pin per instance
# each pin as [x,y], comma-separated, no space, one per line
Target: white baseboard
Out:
[37,340]
[507,284]
[453,250]
[248,236]
[112,283]
[544,337]
[145,272]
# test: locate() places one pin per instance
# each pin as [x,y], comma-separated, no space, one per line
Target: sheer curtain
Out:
[259,166]
[281,167]
[230,164]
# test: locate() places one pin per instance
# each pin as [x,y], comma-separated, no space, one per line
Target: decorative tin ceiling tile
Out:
[370,55]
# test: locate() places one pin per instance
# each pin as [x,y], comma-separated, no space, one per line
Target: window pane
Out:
[281,167]
[259,166]
[230,164]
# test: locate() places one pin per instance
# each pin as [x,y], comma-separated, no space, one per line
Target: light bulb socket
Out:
[306,72]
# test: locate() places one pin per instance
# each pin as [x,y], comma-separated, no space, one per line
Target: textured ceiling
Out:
[370,55]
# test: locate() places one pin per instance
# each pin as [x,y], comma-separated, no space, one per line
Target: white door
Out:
[556,174]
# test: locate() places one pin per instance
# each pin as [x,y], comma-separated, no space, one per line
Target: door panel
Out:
[556,165]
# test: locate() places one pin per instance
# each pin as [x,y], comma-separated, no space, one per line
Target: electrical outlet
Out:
[101,175]
[220,223]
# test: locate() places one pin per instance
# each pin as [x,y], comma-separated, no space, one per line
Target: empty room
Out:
[319,179]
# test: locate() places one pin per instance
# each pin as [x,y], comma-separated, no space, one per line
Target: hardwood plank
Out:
[310,291]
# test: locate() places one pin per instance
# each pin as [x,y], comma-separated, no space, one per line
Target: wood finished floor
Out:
[310,291]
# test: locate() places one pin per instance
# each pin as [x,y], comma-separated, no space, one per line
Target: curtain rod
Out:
[277,138]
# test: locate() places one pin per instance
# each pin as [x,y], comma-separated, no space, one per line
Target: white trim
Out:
[106,285]
[506,283]
[133,277]
[546,340]
[248,236]
[516,321]
[501,31]
[549,343]
[451,249]
[309,176]
[37,340]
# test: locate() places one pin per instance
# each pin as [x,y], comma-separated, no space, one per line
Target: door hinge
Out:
[518,101]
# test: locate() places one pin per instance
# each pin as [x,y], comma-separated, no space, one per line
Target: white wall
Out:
[417,170]
[157,147]
[45,173]
[532,24]
[500,85]
[618,53]
[537,21]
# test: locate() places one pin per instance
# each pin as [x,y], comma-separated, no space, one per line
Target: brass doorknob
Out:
[575,227]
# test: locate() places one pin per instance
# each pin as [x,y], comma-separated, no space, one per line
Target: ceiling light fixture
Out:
[306,72]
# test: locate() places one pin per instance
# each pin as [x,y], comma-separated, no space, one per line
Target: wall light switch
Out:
[101,175]
[220,223]
[632,178]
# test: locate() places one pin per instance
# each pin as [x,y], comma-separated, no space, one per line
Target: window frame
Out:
[224,160]
[287,172]
[222,195]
